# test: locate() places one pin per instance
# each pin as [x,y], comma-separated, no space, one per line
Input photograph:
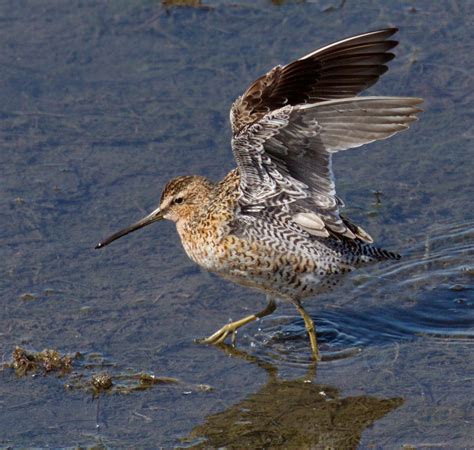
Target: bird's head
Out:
[179,201]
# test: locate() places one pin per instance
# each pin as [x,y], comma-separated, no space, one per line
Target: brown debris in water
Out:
[48,360]
[124,383]
[99,381]
[102,382]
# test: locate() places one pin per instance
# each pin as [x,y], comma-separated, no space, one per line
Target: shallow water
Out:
[101,105]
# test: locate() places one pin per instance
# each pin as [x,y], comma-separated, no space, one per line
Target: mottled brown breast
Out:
[204,233]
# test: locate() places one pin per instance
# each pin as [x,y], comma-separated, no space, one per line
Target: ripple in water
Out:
[429,292]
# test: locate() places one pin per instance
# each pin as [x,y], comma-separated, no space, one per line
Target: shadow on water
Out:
[291,413]
[428,293]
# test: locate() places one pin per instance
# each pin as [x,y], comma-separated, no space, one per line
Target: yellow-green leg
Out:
[230,328]
[310,328]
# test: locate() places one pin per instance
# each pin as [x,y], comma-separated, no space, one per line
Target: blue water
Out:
[102,103]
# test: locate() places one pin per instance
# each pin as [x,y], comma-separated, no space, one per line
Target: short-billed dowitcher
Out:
[274,222]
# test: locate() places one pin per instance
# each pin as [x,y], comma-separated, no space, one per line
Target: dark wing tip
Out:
[387,32]
[317,76]
[392,30]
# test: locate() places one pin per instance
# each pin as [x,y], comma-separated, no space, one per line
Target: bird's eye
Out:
[178,200]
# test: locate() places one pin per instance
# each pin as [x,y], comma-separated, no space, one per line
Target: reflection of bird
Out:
[274,223]
[291,414]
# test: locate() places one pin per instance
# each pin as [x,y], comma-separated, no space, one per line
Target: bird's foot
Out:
[231,328]
[219,336]
[228,329]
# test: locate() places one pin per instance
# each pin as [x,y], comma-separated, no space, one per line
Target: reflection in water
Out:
[296,414]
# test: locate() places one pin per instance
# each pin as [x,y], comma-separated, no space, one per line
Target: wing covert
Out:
[284,159]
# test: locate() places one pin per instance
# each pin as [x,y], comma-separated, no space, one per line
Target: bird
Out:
[274,223]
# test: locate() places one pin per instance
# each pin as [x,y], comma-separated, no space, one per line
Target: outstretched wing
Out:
[339,70]
[284,159]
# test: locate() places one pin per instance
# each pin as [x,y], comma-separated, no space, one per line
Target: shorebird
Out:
[274,223]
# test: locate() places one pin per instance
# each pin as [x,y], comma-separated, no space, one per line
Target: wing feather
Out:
[342,69]
[284,159]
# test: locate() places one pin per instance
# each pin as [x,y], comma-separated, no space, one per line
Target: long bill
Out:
[154,216]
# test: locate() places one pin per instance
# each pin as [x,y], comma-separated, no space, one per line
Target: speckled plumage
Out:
[264,251]
[274,223]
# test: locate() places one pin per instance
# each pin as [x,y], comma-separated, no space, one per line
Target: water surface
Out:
[101,104]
